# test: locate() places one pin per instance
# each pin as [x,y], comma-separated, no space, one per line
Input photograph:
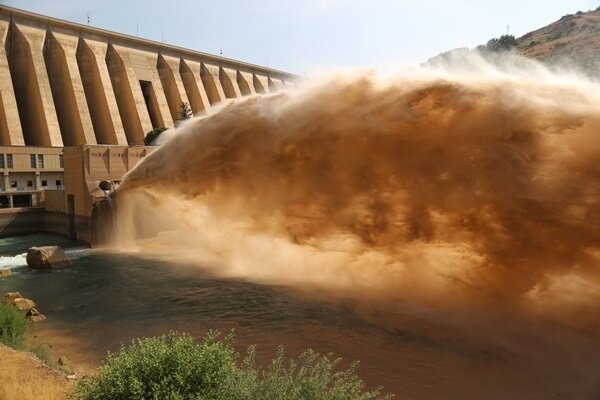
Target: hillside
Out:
[573,40]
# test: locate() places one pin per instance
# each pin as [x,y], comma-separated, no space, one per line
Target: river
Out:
[107,298]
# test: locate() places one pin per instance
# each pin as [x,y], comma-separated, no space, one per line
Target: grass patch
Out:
[13,326]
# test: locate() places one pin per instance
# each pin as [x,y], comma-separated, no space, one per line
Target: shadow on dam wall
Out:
[15,222]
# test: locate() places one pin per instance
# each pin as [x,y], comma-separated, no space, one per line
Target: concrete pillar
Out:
[129,96]
[228,79]
[71,106]
[32,87]
[11,204]
[168,70]
[210,79]
[104,112]
[261,84]
[11,133]
[190,76]
[244,80]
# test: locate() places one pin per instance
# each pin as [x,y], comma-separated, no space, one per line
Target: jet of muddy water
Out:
[476,190]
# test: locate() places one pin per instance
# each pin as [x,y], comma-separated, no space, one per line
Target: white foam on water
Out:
[11,262]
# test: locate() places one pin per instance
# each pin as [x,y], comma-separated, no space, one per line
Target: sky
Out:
[310,36]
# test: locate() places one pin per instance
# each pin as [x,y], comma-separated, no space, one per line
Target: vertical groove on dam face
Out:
[227,85]
[63,94]
[245,88]
[124,96]
[194,87]
[274,85]
[258,86]
[11,132]
[169,84]
[27,92]
[152,104]
[208,80]
[95,95]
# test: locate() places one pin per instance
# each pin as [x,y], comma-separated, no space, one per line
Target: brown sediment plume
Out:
[435,184]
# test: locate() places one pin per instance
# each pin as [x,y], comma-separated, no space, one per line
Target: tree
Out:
[503,43]
[185,111]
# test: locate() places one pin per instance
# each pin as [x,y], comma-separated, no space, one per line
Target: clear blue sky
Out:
[306,36]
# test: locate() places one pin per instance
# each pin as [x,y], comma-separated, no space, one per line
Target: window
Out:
[40,161]
[13,184]
[29,183]
[61,161]
[44,182]
[9,161]
[1,160]
[58,183]
[32,160]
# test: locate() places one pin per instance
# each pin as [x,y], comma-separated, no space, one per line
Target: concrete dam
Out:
[76,103]
[65,84]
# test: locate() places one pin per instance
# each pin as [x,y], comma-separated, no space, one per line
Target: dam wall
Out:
[66,84]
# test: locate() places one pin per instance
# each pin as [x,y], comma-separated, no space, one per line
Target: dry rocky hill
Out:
[573,40]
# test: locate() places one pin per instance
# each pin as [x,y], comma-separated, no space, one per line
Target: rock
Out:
[62,360]
[72,377]
[5,272]
[10,297]
[47,257]
[23,304]
[33,315]
[19,301]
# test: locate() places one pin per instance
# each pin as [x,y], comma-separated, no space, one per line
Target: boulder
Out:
[23,304]
[47,257]
[19,301]
[33,315]
[5,272]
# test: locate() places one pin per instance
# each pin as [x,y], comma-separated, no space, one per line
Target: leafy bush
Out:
[153,134]
[170,367]
[175,366]
[13,326]
[310,376]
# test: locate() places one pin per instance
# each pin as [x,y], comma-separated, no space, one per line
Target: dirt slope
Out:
[24,377]
[573,40]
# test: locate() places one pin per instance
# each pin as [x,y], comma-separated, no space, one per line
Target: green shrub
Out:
[13,326]
[169,367]
[175,366]
[310,376]
[153,134]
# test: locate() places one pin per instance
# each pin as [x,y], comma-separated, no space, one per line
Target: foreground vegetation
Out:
[13,326]
[173,367]
[23,375]
[176,367]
